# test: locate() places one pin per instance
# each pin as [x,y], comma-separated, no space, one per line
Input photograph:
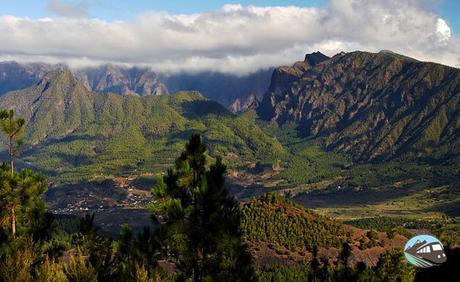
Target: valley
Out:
[322,167]
[258,141]
[86,141]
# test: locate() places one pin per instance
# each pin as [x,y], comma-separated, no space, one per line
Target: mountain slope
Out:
[370,105]
[54,108]
[76,134]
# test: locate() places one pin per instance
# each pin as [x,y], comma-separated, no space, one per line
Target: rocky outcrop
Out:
[241,105]
[125,81]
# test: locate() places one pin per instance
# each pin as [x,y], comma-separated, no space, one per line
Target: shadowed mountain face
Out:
[371,106]
[14,76]
[235,92]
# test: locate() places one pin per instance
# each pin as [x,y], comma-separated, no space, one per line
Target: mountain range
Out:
[235,92]
[354,136]
[355,121]
[371,106]
[71,129]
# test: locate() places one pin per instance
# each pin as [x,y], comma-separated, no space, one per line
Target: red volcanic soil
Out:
[264,254]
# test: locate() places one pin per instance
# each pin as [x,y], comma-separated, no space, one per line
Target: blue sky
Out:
[450,10]
[125,10]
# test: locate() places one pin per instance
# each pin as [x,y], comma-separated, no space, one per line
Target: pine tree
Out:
[200,222]
[21,195]
[13,129]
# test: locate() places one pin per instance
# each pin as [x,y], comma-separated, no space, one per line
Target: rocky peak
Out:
[60,77]
[315,58]
[125,81]
[241,104]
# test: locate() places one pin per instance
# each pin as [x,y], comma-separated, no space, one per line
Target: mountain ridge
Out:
[370,105]
[142,81]
[68,125]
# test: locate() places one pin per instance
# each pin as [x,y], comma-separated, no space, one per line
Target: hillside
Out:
[280,232]
[81,139]
[371,106]
[76,134]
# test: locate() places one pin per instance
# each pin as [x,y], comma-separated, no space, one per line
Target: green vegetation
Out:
[275,220]
[304,162]
[446,229]
[390,267]
[374,107]
[204,221]
[198,222]
[199,236]
[14,191]
[13,129]
[391,116]
[198,232]
[385,223]
[349,152]
[74,135]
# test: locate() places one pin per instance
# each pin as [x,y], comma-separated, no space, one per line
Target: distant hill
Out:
[372,106]
[77,134]
[232,91]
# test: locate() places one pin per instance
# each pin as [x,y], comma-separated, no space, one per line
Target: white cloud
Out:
[443,30]
[233,39]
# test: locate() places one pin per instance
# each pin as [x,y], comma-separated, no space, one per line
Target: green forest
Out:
[200,232]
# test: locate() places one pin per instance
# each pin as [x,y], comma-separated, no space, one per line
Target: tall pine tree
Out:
[21,193]
[13,129]
[199,221]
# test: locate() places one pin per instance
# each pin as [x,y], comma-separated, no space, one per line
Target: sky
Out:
[236,37]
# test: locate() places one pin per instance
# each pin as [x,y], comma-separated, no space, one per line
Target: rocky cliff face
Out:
[370,105]
[243,104]
[125,81]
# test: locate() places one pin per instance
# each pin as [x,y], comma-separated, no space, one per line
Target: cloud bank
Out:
[234,39]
